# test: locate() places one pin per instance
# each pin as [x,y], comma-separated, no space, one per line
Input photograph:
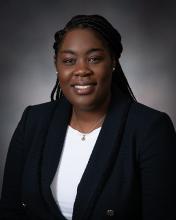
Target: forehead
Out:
[82,39]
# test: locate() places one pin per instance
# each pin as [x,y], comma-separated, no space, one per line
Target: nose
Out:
[82,69]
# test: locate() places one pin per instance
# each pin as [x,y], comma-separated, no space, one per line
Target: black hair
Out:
[109,34]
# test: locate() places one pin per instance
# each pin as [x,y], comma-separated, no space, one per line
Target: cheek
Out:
[105,75]
[63,75]
[63,72]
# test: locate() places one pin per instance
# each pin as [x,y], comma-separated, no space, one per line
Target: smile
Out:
[84,89]
[82,86]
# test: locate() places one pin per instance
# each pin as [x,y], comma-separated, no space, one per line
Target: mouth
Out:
[86,89]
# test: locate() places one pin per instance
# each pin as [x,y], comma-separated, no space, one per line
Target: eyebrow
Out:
[89,51]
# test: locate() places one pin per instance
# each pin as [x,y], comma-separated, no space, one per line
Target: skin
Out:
[84,65]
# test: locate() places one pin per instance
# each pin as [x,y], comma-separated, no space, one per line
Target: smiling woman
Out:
[93,152]
[84,68]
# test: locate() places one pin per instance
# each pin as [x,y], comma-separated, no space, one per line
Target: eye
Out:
[95,59]
[69,61]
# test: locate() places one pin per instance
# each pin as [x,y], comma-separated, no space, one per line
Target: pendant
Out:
[83,137]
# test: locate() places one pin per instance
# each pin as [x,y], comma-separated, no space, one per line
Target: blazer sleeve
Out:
[158,170]
[11,206]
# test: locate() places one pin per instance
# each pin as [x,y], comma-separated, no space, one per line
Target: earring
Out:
[113,69]
[56,72]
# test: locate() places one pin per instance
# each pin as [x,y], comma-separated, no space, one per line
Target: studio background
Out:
[27,73]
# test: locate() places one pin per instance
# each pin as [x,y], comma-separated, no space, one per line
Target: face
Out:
[84,66]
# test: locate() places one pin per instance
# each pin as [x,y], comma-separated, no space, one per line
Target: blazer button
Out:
[23,205]
[110,212]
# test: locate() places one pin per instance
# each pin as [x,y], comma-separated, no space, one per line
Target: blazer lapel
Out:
[102,158]
[52,151]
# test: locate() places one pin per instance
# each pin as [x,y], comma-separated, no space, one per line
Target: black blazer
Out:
[130,174]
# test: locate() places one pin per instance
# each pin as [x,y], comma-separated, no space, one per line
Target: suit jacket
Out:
[130,173]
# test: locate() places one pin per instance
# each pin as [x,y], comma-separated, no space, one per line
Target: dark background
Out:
[27,73]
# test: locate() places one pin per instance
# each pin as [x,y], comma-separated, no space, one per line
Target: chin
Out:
[89,102]
[85,106]
[90,105]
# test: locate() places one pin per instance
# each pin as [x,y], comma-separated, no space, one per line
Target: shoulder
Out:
[138,113]
[42,114]
[145,114]
[145,122]
[39,114]
[142,118]
[42,109]
[150,131]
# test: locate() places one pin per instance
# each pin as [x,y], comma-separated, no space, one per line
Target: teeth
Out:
[82,87]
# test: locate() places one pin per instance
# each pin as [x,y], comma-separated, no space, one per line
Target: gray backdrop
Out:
[27,72]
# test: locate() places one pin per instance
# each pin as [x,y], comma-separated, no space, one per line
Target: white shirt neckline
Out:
[73,161]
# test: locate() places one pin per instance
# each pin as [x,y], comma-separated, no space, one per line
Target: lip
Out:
[84,88]
[83,83]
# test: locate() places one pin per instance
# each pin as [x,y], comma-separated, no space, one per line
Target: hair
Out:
[111,37]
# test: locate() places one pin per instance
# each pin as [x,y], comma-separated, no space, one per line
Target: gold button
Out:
[23,204]
[110,212]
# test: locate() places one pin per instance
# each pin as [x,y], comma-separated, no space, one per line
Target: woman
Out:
[94,153]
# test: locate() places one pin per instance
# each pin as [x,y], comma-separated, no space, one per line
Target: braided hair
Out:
[113,40]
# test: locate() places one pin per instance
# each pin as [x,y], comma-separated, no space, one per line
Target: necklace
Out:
[99,121]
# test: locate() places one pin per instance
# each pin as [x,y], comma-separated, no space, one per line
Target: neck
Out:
[86,121]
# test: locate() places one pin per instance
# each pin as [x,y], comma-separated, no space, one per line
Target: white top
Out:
[74,159]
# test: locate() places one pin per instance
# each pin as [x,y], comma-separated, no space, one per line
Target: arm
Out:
[158,170]
[10,204]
